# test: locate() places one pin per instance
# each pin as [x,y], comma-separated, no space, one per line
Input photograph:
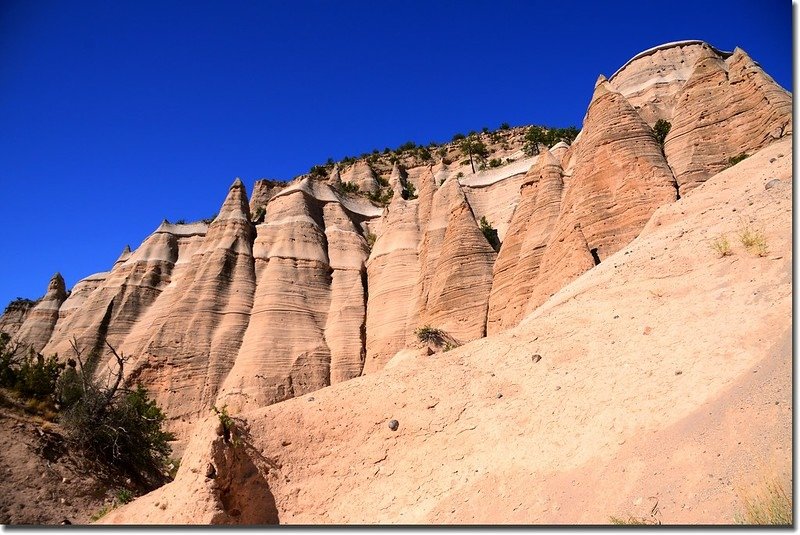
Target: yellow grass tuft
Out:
[770,507]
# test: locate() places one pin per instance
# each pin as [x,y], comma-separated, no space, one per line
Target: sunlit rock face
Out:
[304,284]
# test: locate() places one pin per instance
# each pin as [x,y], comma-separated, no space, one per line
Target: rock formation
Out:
[305,286]
[42,318]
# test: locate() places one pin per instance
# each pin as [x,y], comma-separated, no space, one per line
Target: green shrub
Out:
[258,215]
[123,427]
[490,233]
[124,496]
[318,171]
[458,136]
[20,303]
[409,192]
[432,335]
[736,159]
[407,146]
[505,126]
[495,162]
[371,239]
[661,129]
[381,197]
[540,135]
[226,420]
[37,376]
[348,187]
[27,372]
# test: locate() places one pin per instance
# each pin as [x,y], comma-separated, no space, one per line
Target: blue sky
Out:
[115,115]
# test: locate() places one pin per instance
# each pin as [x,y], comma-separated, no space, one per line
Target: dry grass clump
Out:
[633,521]
[770,507]
[754,240]
[722,246]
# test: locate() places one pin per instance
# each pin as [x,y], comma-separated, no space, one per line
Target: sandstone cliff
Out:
[303,286]
[596,405]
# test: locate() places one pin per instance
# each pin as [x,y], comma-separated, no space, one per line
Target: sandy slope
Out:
[664,387]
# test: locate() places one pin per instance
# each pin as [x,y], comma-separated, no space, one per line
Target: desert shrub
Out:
[460,175]
[661,129]
[209,220]
[124,496]
[318,171]
[458,136]
[258,215]
[20,303]
[495,162]
[180,222]
[348,187]
[721,245]
[382,182]
[489,233]
[408,145]
[226,421]
[381,197]
[10,359]
[540,135]
[754,240]
[736,159]
[37,376]
[772,506]
[27,372]
[633,521]
[409,191]
[505,126]
[125,430]
[371,239]
[432,335]
[122,427]
[424,154]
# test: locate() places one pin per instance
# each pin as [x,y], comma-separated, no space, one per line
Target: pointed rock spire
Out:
[56,289]
[235,205]
[335,178]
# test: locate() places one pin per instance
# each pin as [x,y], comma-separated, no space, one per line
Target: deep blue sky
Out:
[115,115]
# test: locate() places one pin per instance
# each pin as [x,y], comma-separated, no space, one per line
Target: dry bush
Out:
[771,506]
[722,246]
[754,240]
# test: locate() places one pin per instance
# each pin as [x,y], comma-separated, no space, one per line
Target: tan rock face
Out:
[14,316]
[40,321]
[392,271]
[263,191]
[727,107]
[306,326]
[361,174]
[455,268]
[531,228]
[652,79]
[247,315]
[618,404]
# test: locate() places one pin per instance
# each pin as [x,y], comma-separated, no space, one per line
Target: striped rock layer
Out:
[325,286]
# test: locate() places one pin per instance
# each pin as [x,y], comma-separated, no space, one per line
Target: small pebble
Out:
[536,358]
[499,395]
[558,388]
[678,372]
[311,398]
[393,425]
